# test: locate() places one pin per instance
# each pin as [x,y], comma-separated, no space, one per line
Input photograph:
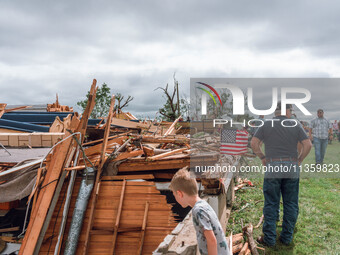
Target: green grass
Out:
[317,230]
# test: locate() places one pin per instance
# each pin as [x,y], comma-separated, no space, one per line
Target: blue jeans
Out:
[320,146]
[289,188]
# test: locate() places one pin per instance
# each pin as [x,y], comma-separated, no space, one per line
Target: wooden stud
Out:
[114,239]
[143,228]
[163,155]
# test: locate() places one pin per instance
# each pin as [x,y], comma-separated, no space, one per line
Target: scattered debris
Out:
[248,231]
[117,160]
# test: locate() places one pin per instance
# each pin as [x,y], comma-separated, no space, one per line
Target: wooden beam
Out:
[3,230]
[171,128]
[152,139]
[128,124]
[17,108]
[77,168]
[89,107]
[97,149]
[128,177]
[106,135]
[131,154]
[115,234]
[9,239]
[130,166]
[145,218]
[163,155]
[148,151]
[98,176]
[100,140]
[45,196]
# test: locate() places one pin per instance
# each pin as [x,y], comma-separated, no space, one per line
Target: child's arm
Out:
[211,242]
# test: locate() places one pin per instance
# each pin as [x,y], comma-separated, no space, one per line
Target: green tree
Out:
[103,98]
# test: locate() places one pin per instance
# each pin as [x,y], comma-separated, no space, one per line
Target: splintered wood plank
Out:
[2,109]
[130,166]
[96,149]
[125,155]
[177,140]
[98,175]
[163,155]
[128,177]
[89,107]
[143,228]
[116,226]
[102,139]
[45,196]
[171,128]
[159,222]
[106,135]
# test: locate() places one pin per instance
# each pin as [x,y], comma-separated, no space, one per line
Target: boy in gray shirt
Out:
[210,236]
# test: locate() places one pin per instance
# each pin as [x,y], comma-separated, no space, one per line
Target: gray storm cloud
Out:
[136,46]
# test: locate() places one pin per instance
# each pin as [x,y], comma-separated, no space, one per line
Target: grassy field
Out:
[317,230]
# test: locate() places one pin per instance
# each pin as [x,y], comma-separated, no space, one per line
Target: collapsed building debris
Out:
[100,196]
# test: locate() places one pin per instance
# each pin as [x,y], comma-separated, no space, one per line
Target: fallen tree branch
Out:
[260,222]
[248,231]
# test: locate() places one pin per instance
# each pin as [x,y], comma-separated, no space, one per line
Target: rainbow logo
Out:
[209,93]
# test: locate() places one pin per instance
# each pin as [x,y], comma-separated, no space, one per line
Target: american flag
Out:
[234,142]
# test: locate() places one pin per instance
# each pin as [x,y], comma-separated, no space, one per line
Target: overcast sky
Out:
[49,47]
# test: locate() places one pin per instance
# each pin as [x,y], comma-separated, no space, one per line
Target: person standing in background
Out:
[320,129]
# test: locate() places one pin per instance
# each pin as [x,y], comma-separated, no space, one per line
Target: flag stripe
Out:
[233,142]
[225,147]
[243,150]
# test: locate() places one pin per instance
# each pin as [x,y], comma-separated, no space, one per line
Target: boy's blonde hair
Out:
[183,182]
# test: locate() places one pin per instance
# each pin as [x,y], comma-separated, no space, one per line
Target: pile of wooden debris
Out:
[99,195]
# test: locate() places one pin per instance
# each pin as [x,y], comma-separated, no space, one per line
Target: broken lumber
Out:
[109,138]
[125,155]
[152,139]
[163,155]
[248,252]
[2,109]
[128,177]
[171,128]
[96,187]
[148,151]
[237,247]
[45,195]
[3,230]
[244,249]
[57,126]
[248,231]
[236,239]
